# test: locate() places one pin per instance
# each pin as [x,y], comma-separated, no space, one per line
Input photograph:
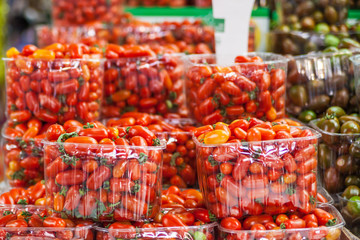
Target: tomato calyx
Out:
[7,212]
[212,161]
[282,226]
[101,207]
[19,175]
[22,202]
[65,136]
[106,185]
[331,222]
[63,191]
[219,177]
[156,142]
[290,191]
[212,217]
[173,158]
[312,199]
[26,215]
[88,125]
[69,160]
[135,188]
[142,158]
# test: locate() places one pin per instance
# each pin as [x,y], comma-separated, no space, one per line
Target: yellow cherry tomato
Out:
[44,54]
[216,137]
[12,52]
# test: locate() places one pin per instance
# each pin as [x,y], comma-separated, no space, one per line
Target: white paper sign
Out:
[232,19]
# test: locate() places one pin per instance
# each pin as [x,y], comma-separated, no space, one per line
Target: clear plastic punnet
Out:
[317,81]
[331,232]
[23,158]
[151,84]
[104,182]
[96,12]
[53,91]
[338,159]
[31,216]
[273,176]
[323,196]
[250,85]
[350,210]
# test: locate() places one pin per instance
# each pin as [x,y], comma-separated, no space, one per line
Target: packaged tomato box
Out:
[54,84]
[84,12]
[249,85]
[103,173]
[23,153]
[177,224]
[324,222]
[33,222]
[251,167]
[136,79]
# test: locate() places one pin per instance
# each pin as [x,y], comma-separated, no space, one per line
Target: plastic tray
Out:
[53,91]
[317,81]
[23,159]
[266,176]
[206,231]
[352,219]
[227,91]
[338,162]
[69,233]
[152,84]
[333,232]
[126,182]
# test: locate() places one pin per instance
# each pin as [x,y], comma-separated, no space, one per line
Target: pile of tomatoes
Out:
[241,176]
[23,222]
[103,173]
[179,159]
[54,84]
[247,88]
[182,224]
[95,12]
[136,79]
[23,152]
[316,224]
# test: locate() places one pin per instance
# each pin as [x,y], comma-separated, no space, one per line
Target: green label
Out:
[219,24]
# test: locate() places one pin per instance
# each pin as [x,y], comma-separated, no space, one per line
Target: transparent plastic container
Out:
[104,182]
[95,12]
[308,13]
[23,159]
[339,164]
[153,84]
[318,81]
[273,176]
[350,211]
[21,233]
[226,92]
[332,232]
[206,232]
[53,91]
